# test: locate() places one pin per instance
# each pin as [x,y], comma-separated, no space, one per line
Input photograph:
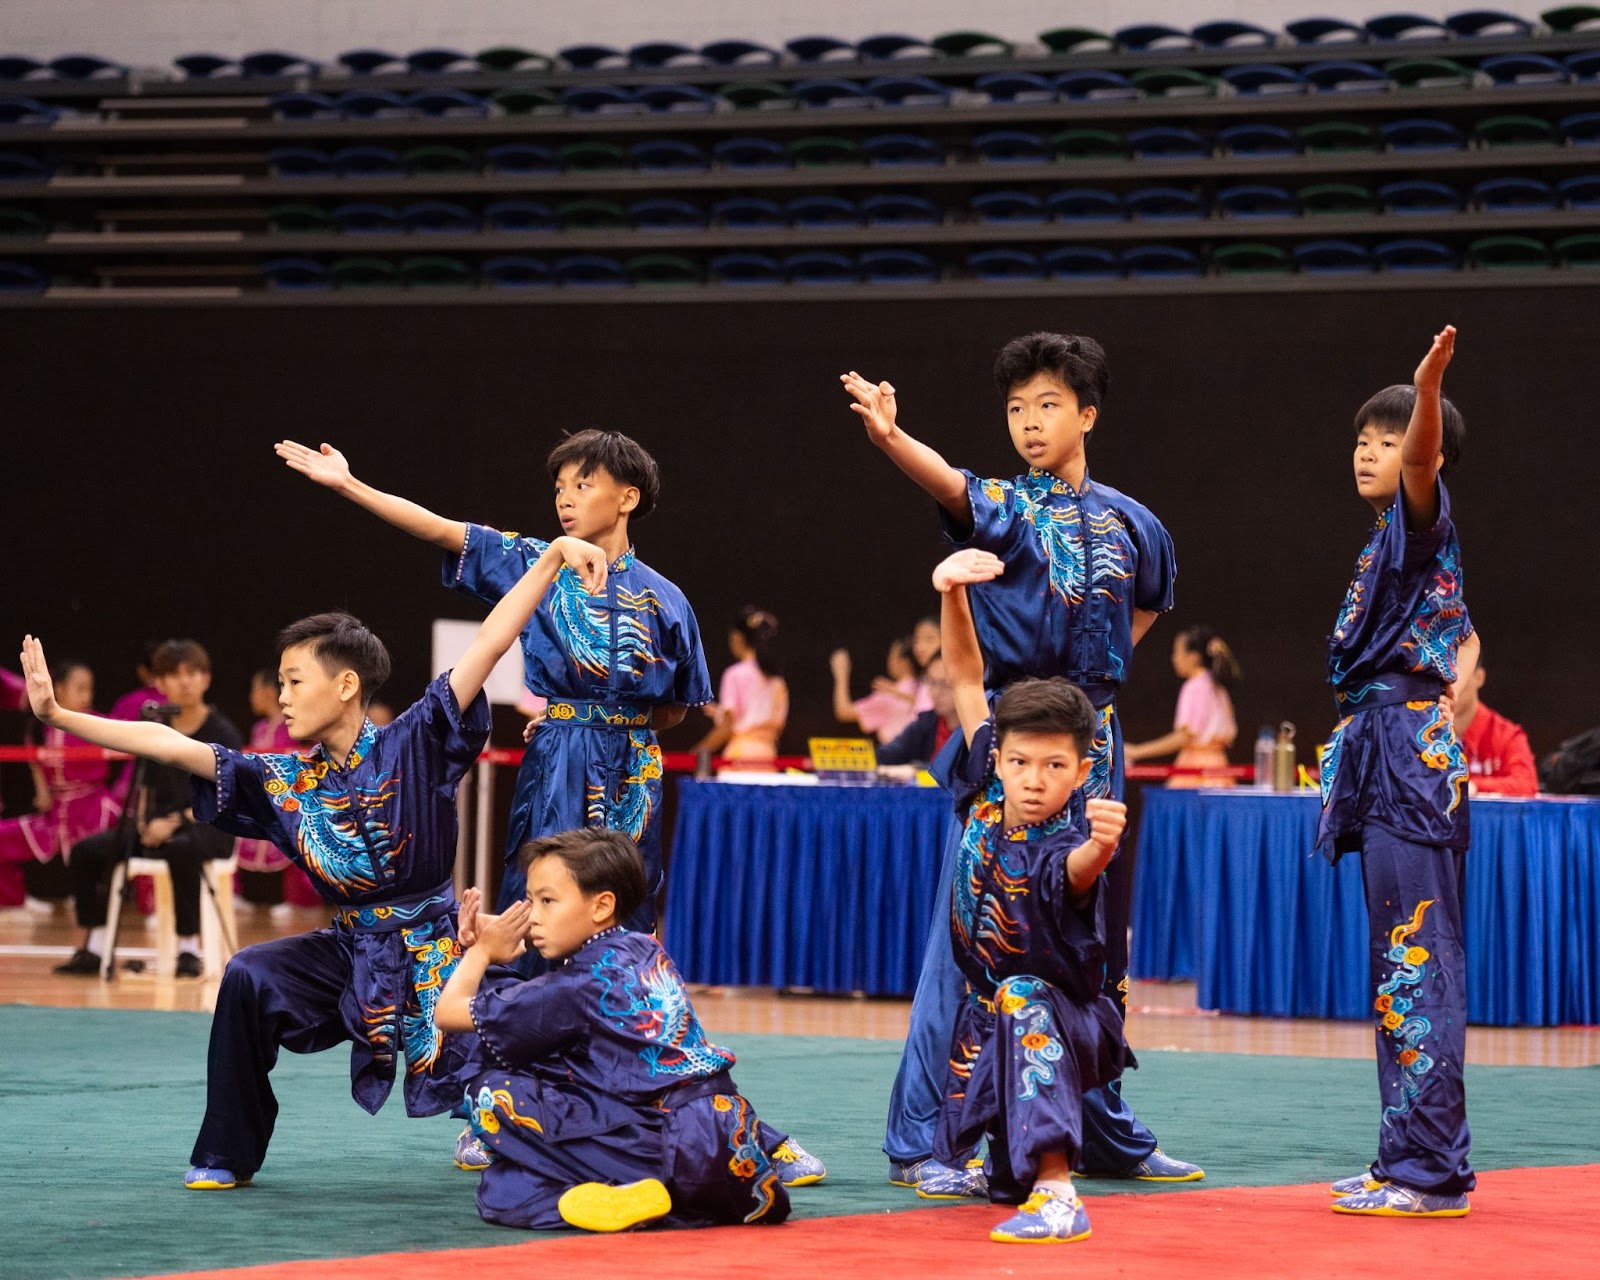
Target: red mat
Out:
[1521,1220]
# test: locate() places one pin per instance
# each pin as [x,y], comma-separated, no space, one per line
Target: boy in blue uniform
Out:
[1394,790]
[615,667]
[1088,570]
[601,1099]
[370,815]
[1036,1027]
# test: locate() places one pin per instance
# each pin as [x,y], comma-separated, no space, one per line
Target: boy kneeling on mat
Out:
[602,1102]
[1036,1028]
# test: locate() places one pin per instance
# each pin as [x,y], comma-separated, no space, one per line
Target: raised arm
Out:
[159,742]
[844,710]
[1419,451]
[328,467]
[507,619]
[874,403]
[963,659]
[1107,819]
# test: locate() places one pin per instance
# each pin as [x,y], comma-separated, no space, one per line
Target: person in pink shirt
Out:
[1203,728]
[266,875]
[893,702]
[72,798]
[752,703]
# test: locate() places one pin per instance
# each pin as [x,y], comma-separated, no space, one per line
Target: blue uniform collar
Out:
[359,750]
[1040,479]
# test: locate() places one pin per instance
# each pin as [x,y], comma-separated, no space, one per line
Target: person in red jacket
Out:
[1499,759]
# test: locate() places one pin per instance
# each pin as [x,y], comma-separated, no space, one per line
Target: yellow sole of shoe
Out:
[998,1238]
[811,1180]
[923,1195]
[215,1186]
[1401,1213]
[469,1168]
[893,1182]
[1197,1176]
[594,1206]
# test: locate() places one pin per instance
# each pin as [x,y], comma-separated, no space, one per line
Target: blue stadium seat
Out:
[521,157]
[885,48]
[1419,195]
[1257,138]
[1143,37]
[365,218]
[18,66]
[1392,27]
[1513,195]
[589,271]
[666,213]
[832,93]
[27,111]
[440,217]
[669,155]
[1581,129]
[739,53]
[514,271]
[588,99]
[748,211]
[371,62]
[901,148]
[1512,69]
[368,162]
[1265,78]
[1085,204]
[664,53]
[820,266]
[745,268]
[909,91]
[822,211]
[519,215]
[1228,33]
[1585,65]
[1011,146]
[897,266]
[85,66]
[1346,77]
[1416,255]
[302,106]
[678,98]
[1162,260]
[746,152]
[1007,206]
[1005,265]
[370,104]
[299,162]
[1015,86]
[440,61]
[448,103]
[15,166]
[1581,191]
[1164,203]
[275,62]
[898,209]
[1331,257]
[23,277]
[205,66]
[1422,133]
[1257,200]
[594,57]
[821,49]
[1082,262]
[1472,23]
[1167,140]
[296,273]
[1090,85]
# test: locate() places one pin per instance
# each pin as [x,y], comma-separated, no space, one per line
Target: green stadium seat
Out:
[1250,258]
[1337,197]
[1509,252]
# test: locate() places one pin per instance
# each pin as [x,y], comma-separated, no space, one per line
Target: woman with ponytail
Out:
[752,703]
[1203,728]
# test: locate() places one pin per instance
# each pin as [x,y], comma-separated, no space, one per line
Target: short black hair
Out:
[628,461]
[1390,410]
[169,655]
[340,642]
[599,860]
[64,667]
[1045,706]
[1075,361]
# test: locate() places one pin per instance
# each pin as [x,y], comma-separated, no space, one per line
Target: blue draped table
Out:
[820,886]
[1228,892]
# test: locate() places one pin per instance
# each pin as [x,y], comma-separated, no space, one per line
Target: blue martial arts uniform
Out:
[1036,1027]
[1078,566]
[376,834]
[604,664]
[599,1071]
[1394,789]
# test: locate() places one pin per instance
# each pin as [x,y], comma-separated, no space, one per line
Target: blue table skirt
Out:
[803,886]
[1228,892]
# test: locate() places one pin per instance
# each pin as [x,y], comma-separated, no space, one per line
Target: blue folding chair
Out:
[1585,65]
[589,271]
[739,53]
[1161,260]
[1346,77]
[887,48]
[1005,265]
[901,149]
[448,104]
[909,91]
[1331,257]
[1415,255]
[653,54]
[367,161]
[1085,204]
[514,271]
[822,211]
[519,215]
[1513,69]
[1082,262]
[296,273]
[832,94]
[364,218]
[1581,129]
[1164,203]
[897,266]
[1257,200]
[1015,86]
[680,99]
[669,155]
[596,99]
[1090,85]
[1007,206]
[20,111]
[1515,194]
[746,152]
[302,106]
[370,104]
[1421,133]
[1167,141]
[205,66]
[1581,191]
[820,266]
[1419,195]
[299,162]
[666,213]
[898,209]
[1229,33]
[521,157]
[745,268]
[594,57]
[748,211]
[1473,23]
[275,62]
[440,61]
[1265,79]
[1256,138]
[1143,37]
[1011,146]
[1388,28]
[821,49]
[85,66]
[17,66]
[440,217]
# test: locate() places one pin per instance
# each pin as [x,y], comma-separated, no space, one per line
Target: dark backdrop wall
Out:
[142,497]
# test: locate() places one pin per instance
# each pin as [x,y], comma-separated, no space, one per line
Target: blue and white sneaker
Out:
[938,1181]
[1160,1167]
[797,1167]
[211,1178]
[1045,1218]
[1360,1182]
[1391,1200]
[907,1173]
[471,1154]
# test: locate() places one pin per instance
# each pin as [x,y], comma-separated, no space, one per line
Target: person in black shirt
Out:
[165,828]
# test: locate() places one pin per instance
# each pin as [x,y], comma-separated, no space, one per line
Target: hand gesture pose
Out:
[1430,373]
[874,402]
[505,937]
[839,664]
[326,466]
[41,689]
[1107,821]
[469,917]
[586,560]
[965,568]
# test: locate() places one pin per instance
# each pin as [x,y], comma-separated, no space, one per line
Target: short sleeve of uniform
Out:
[236,801]
[1158,563]
[1422,546]
[968,772]
[522,1019]
[490,563]
[996,524]
[691,681]
[443,730]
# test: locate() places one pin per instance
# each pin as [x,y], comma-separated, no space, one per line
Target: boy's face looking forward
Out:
[563,917]
[185,686]
[1039,772]
[591,506]
[313,699]
[1047,426]
[1377,463]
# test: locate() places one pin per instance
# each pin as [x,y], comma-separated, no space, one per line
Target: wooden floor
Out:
[1161,1015]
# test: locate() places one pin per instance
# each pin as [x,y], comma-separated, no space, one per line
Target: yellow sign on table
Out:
[842,756]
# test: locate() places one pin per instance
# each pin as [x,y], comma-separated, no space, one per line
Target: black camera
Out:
[160,712]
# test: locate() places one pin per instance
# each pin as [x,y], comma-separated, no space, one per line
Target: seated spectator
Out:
[163,825]
[891,705]
[1499,759]
[921,739]
[752,703]
[266,876]
[924,644]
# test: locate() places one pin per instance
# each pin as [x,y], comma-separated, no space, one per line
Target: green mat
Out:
[98,1110]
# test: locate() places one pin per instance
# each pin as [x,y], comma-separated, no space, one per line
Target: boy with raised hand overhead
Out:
[602,1101]
[1036,1027]
[370,815]
[1088,570]
[615,666]
[1394,790]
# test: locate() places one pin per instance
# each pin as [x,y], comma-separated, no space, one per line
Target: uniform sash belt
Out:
[399,913]
[1386,690]
[578,713]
